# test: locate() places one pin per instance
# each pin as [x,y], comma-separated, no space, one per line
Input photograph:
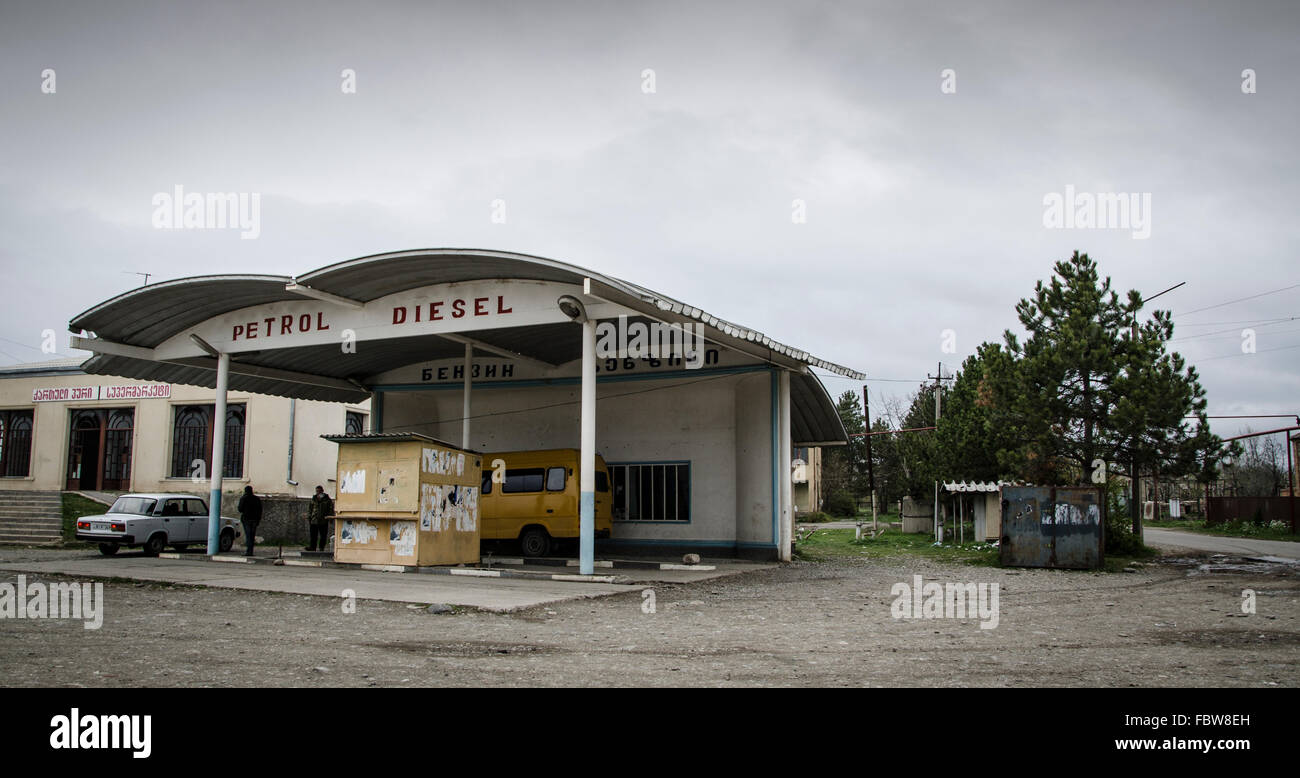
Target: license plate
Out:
[99,526]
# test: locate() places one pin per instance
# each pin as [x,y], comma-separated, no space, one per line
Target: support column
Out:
[786,487]
[464,423]
[218,453]
[587,476]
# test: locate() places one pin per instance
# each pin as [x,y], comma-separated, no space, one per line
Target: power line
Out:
[1248,353]
[1233,331]
[1239,300]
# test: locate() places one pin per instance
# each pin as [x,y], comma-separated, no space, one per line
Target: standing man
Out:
[250,515]
[318,516]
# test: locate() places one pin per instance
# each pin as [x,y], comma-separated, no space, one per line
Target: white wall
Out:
[721,424]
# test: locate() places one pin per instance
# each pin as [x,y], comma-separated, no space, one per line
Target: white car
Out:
[154,521]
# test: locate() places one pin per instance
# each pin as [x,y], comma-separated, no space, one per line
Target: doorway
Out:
[99,449]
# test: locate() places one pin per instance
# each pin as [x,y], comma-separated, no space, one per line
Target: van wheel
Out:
[535,542]
[108,549]
[155,544]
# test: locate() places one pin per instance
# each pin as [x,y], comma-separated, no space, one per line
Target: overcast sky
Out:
[924,209]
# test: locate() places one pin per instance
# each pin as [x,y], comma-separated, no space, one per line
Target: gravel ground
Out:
[1174,622]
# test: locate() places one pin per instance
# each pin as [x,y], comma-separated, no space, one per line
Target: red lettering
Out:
[417,313]
[304,323]
[286,325]
[239,330]
[251,330]
[320,321]
[433,311]
[457,309]
[479,308]
[501,305]
[270,321]
[399,314]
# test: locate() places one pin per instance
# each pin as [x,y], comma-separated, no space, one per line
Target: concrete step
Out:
[16,537]
[56,504]
[32,531]
[54,528]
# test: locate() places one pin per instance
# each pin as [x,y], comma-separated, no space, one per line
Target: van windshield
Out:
[141,506]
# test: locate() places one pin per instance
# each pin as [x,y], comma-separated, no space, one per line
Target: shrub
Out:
[841,504]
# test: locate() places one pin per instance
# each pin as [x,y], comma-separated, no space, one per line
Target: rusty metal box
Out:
[1045,526]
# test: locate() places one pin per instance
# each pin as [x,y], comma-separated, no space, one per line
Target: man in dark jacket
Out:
[250,515]
[318,516]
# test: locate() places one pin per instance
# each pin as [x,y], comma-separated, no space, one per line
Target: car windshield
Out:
[137,505]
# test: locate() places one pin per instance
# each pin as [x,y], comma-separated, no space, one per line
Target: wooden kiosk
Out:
[405,499]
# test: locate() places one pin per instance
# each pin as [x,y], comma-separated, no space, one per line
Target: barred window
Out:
[192,439]
[15,443]
[355,423]
[652,491]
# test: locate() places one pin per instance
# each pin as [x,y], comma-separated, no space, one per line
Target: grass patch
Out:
[831,544]
[1278,530]
[74,507]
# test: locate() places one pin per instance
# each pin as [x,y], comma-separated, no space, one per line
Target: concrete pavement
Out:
[1172,538]
[492,594]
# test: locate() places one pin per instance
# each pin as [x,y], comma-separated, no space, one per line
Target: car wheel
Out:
[155,544]
[227,541]
[108,549]
[535,542]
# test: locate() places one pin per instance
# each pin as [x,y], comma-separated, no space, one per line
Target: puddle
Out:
[1219,564]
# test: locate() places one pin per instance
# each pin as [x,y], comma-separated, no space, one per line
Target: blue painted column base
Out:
[587,532]
[214,520]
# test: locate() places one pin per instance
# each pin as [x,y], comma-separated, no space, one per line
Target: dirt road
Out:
[1171,623]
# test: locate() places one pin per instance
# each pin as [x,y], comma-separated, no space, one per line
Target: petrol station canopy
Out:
[284,334]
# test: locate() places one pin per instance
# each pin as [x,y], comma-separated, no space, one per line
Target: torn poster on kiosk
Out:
[439,462]
[361,532]
[352,482]
[443,504]
[401,535]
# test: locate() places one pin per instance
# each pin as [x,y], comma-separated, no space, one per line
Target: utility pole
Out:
[1134,480]
[938,404]
[871,469]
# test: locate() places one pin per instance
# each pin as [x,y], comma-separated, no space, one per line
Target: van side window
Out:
[602,481]
[526,480]
[555,479]
[486,488]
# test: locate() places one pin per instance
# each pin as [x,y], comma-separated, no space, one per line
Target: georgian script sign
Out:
[93,393]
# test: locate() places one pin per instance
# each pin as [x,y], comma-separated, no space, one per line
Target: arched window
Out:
[15,443]
[117,448]
[192,439]
[234,465]
[355,424]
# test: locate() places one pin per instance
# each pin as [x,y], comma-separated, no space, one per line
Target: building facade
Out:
[61,429]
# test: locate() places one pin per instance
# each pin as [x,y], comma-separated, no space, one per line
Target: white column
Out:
[218,453]
[587,479]
[783,440]
[464,423]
